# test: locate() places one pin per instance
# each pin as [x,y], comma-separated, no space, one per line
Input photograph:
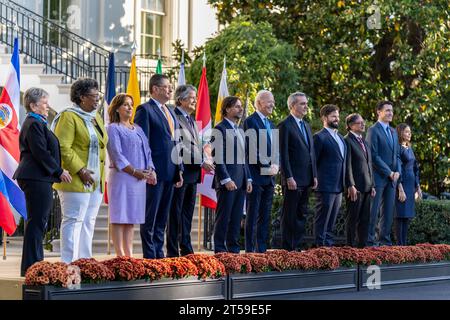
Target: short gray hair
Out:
[33,95]
[182,92]
[293,97]
[260,94]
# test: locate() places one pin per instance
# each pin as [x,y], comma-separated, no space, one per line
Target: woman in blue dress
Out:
[409,186]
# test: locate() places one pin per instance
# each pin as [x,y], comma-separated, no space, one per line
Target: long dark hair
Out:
[400,128]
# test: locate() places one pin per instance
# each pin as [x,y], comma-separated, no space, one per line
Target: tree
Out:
[256,60]
[355,53]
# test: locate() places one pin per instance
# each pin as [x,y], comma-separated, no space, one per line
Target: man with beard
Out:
[331,150]
[232,177]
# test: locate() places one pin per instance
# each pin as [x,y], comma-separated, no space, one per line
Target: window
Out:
[56,12]
[151,26]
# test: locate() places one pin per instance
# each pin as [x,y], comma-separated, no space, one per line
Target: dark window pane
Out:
[150,20]
[158,25]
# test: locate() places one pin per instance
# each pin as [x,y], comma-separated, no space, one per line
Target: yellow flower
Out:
[340,4]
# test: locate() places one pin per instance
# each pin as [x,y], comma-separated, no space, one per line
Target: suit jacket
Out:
[385,158]
[297,160]
[155,126]
[40,156]
[330,163]
[192,147]
[74,141]
[253,145]
[238,172]
[359,165]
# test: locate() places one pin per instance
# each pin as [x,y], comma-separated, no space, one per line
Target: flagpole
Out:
[199,221]
[4,244]
[108,250]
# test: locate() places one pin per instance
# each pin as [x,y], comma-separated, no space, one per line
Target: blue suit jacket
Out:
[385,158]
[154,123]
[239,173]
[330,163]
[253,145]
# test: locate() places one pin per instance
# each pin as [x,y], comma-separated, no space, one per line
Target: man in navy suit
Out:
[232,178]
[183,203]
[298,170]
[383,143]
[260,138]
[160,125]
[331,152]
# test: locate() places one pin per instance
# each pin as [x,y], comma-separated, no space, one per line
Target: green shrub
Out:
[432,222]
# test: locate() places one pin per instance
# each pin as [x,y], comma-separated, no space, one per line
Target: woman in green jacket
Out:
[83,139]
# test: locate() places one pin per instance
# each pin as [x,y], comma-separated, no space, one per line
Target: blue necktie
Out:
[389,134]
[303,130]
[268,128]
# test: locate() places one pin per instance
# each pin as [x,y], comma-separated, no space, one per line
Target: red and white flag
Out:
[203,119]
[9,145]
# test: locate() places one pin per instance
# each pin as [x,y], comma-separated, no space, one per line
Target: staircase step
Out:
[64,88]
[32,68]
[51,78]
[5,58]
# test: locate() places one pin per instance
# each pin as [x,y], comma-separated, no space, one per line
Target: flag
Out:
[7,221]
[203,118]
[223,92]
[133,86]
[9,146]
[159,66]
[110,93]
[181,75]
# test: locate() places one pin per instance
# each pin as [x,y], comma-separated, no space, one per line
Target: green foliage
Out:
[340,59]
[432,222]
[256,60]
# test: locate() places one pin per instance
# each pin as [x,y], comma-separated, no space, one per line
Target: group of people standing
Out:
[156,162]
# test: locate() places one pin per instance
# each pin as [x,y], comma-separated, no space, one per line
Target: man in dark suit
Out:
[263,167]
[331,152]
[160,125]
[298,170]
[232,178]
[383,143]
[358,182]
[183,202]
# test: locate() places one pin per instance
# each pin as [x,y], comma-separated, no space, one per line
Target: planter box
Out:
[166,289]
[406,274]
[281,285]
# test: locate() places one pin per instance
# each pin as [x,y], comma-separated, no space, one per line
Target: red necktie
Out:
[361,142]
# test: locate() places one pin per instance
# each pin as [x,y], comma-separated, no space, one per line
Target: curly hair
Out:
[81,87]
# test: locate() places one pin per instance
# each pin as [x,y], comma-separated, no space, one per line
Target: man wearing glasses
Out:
[160,125]
[358,182]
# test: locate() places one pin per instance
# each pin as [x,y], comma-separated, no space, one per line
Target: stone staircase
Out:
[32,75]
[100,241]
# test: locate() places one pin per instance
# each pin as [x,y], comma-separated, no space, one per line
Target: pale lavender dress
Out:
[126,194]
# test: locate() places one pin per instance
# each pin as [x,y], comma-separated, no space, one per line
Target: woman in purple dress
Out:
[130,169]
[409,186]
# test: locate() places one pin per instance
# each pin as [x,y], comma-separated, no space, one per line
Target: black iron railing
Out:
[67,54]
[63,52]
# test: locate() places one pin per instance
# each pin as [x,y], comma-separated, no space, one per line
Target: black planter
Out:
[166,289]
[291,284]
[406,274]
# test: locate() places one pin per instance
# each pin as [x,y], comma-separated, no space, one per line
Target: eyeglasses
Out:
[93,95]
[359,122]
[166,87]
